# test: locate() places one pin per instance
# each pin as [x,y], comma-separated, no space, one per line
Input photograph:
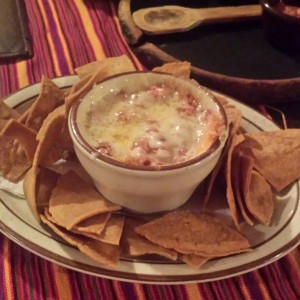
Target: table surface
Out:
[67,34]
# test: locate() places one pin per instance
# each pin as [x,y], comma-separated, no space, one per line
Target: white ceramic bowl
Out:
[140,188]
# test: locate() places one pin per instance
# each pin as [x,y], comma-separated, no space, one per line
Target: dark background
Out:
[236,49]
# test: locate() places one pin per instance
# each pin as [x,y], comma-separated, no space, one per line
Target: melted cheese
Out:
[156,126]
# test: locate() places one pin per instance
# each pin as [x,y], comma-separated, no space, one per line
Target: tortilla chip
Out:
[38,185]
[74,200]
[212,178]
[93,225]
[111,233]
[103,253]
[63,166]
[276,155]
[68,236]
[241,170]
[18,171]
[7,113]
[133,244]
[89,68]
[180,69]
[46,181]
[259,199]
[234,117]
[65,138]
[223,99]
[194,233]
[51,96]
[13,160]
[6,145]
[114,63]
[96,73]
[49,148]
[25,137]
[236,139]
[113,230]
[194,261]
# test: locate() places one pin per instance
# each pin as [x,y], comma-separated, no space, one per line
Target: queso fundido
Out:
[156,121]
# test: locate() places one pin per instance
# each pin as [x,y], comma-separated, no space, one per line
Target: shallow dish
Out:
[269,243]
[156,118]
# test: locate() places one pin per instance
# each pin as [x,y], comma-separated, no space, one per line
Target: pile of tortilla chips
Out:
[36,147]
[255,166]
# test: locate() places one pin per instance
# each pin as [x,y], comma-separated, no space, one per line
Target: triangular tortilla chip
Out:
[51,96]
[103,253]
[194,261]
[223,99]
[115,64]
[74,200]
[13,160]
[6,145]
[101,70]
[212,178]
[236,139]
[241,170]
[111,233]
[259,199]
[194,233]
[63,166]
[93,225]
[68,236]
[17,148]
[234,117]
[113,230]
[276,155]
[38,185]
[25,137]
[133,244]
[49,148]
[7,113]
[46,181]
[180,69]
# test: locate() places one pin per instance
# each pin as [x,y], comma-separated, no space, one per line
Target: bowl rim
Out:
[89,150]
[270,8]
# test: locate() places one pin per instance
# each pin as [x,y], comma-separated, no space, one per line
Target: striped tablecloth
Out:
[67,34]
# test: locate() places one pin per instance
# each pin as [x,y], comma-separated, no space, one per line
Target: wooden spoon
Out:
[172,18]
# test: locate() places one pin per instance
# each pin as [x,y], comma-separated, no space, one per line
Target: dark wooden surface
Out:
[238,50]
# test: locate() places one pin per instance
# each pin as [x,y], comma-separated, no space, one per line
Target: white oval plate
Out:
[269,243]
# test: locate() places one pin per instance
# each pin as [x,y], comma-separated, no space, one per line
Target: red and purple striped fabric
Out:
[24,275]
[67,34]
